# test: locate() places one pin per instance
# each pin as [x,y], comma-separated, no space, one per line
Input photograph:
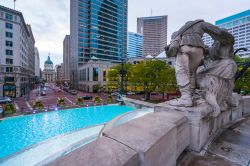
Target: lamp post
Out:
[240,49]
[122,74]
[245,65]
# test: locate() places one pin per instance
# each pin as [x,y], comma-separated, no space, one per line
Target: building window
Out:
[9,52]
[84,74]
[88,74]
[8,25]
[9,43]
[8,16]
[9,34]
[95,74]
[9,61]
[104,75]
[9,69]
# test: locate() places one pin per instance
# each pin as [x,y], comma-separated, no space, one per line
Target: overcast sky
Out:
[50,18]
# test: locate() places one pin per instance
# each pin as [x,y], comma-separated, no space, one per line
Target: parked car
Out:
[43,93]
[73,92]
[5,100]
[131,93]
[87,97]
[66,89]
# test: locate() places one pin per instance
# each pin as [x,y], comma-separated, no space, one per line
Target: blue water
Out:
[21,132]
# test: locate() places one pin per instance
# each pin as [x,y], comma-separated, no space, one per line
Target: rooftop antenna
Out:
[151,12]
[14,4]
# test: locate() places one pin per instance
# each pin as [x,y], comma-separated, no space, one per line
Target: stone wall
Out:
[154,139]
[157,138]
[246,104]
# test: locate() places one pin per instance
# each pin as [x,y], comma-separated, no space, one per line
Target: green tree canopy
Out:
[148,76]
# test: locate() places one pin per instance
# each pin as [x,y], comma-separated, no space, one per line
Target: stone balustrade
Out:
[157,138]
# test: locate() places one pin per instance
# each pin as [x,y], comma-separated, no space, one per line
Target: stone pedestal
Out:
[246,105]
[202,124]
[199,121]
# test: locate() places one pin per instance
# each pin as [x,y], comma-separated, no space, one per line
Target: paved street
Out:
[50,100]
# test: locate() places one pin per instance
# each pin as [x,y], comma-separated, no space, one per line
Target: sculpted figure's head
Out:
[220,51]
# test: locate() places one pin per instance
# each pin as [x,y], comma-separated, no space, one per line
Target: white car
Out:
[5,100]
[43,93]
[131,93]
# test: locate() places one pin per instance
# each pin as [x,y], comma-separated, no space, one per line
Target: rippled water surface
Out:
[21,132]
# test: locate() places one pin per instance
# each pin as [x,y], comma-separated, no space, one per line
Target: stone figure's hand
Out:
[166,50]
[173,48]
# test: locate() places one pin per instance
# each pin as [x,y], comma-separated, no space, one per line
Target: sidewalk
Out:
[231,148]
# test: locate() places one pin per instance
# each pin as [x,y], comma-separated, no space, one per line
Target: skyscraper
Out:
[154,31]
[97,29]
[37,63]
[239,26]
[134,45]
[66,58]
[17,50]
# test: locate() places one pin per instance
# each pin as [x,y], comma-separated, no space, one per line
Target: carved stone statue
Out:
[216,80]
[187,45]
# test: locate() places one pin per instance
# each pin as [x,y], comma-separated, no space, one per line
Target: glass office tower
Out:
[98,28]
[135,41]
[239,26]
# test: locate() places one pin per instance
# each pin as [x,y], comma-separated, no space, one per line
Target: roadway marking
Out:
[28,105]
[17,107]
[69,101]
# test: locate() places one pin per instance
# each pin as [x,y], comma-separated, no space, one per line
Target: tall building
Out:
[134,45]
[239,26]
[66,58]
[59,72]
[97,29]
[37,63]
[17,50]
[154,31]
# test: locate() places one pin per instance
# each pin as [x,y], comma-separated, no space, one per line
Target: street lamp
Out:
[239,49]
[245,65]
[122,74]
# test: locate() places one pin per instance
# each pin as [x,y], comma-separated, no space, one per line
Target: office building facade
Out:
[59,72]
[135,41]
[66,58]
[37,63]
[98,28]
[154,31]
[239,26]
[17,50]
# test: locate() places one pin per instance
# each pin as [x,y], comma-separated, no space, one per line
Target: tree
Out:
[148,76]
[167,82]
[114,77]
[242,84]
[97,88]
[152,75]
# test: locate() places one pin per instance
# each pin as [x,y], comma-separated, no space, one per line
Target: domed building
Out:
[49,73]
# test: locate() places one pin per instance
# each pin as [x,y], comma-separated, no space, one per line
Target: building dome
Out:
[48,61]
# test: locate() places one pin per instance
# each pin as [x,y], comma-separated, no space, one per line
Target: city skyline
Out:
[50,19]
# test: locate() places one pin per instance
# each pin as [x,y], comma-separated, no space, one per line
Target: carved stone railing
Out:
[157,138]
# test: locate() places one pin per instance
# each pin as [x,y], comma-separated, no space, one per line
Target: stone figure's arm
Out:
[217,33]
[172,49]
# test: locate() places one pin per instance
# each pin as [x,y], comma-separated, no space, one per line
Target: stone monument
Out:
[205,77]
[216,80]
